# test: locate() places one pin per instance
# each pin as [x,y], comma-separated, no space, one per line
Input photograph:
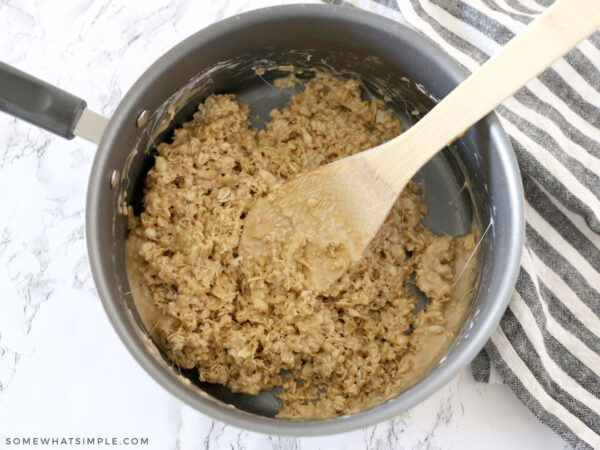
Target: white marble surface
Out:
[63,371]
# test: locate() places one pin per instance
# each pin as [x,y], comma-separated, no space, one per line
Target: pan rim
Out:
[214,408]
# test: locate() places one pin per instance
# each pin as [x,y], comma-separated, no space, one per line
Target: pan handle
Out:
[42,104]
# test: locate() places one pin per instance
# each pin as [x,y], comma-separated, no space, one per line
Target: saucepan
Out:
[474,181]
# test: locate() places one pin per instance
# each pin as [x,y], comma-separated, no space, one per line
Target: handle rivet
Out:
[142,118]
[115,177]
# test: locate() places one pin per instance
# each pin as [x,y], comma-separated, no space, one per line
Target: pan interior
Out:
[452,207]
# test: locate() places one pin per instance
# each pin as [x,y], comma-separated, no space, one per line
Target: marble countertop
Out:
[63,370]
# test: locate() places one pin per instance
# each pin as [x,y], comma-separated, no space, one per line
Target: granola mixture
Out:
[332,352]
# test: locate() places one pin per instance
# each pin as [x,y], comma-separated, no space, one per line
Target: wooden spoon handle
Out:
[560,28]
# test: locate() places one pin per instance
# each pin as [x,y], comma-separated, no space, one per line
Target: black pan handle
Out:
[38,102]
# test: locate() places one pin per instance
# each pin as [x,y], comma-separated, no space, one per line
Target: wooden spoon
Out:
[336,210]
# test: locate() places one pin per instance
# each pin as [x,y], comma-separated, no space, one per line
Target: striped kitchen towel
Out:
[547,347]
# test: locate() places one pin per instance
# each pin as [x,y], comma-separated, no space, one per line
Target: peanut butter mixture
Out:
[333,351]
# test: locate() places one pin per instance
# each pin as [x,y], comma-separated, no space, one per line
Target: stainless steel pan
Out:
[381,54]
